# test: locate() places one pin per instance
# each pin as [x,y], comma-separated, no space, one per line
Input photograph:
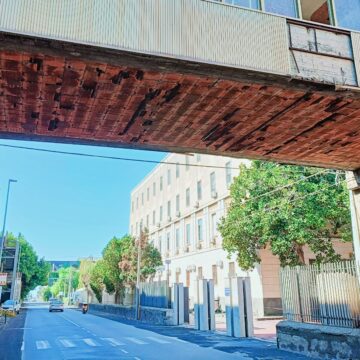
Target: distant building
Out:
[58,264]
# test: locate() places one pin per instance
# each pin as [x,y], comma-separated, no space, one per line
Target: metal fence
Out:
[155,294]
[328,294]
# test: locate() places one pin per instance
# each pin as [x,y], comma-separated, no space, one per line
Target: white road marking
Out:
[158,340]
[67,343]
[136,358]
[124,351]
[90,342]
[113,342]
[42,344]
[136,341]
[22,346]
[71,321]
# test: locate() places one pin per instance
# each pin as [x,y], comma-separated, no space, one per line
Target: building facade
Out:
[180,203]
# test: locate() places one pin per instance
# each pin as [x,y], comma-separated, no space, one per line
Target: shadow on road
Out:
[254,348]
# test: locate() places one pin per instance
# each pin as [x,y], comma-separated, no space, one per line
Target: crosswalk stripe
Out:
[158,340]
[113,342]
[90,342]
[67,343]
[42,345]
[136,341]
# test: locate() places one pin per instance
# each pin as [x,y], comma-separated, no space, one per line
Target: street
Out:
[72,335]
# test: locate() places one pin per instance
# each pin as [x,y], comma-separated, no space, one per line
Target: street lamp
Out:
[4,225]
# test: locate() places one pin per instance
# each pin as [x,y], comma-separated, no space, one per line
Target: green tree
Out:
[34,271]
[68,280]
[46,293]
[118,266]
[282,208]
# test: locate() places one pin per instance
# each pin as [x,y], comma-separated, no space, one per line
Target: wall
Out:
[177,28]
[153,316]
[319,342]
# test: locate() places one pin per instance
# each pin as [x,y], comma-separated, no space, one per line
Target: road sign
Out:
[3,279]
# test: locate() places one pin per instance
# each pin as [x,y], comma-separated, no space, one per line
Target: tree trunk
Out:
[300,254]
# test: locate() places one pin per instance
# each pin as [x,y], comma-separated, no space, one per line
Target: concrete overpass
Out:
[180,75]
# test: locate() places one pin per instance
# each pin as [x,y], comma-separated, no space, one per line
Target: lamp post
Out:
[4,226]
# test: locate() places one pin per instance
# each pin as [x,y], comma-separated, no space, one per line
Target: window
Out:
[147,194]
[282,7]
[212,182]
[200,272]
[187,162]
[161,213]
[213,225]
[168,241]
[317,11]
[154,189]
[177,238]
[137,202]
[214,274]
[198,157]
[188,234]
[142,198]
[132,206]
[188,197]
[169,177]
[188,278]
[252,4]
[200,230]
[147,221]
[141,225]
[177,203]
[132,230]
[348,13]
[154,217]
[160,243]
[177,170]
[228,173]
[161,183]
[137,228]
[199,193]
[169,208]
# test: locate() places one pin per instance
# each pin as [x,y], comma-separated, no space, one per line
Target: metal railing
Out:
[155,294]
[328,294]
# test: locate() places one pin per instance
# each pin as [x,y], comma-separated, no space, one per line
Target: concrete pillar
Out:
[204,305]
[239,315]
[353,183]
[193,231]
[181,301]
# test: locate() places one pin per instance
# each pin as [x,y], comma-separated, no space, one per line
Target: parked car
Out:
[56,306]
[12,305]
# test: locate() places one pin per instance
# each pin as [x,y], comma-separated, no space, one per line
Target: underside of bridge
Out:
[63,92]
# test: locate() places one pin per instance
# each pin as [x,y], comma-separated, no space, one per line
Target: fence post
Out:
[299,293]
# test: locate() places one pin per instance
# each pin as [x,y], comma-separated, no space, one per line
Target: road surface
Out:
[72,335]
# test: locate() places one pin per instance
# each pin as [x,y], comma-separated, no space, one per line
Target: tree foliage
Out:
[118,266]
[34,271]
[68,280]
[282,208]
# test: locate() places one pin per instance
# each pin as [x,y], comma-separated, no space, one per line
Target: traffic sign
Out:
[3,279]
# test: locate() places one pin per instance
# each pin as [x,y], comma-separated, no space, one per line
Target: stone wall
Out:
[318,341]
[147,314]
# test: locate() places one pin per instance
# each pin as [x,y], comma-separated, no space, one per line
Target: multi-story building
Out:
[181,202]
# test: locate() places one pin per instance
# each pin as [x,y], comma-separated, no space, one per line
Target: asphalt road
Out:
[72,335]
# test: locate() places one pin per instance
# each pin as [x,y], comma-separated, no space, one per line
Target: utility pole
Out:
[138,278]
[14,274]
[4,226]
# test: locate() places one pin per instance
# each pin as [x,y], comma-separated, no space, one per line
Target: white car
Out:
[12,305]
[56,305]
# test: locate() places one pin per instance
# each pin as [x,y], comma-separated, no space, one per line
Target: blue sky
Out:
[67,206]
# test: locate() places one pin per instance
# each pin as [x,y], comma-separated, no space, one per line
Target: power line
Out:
[285,186]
